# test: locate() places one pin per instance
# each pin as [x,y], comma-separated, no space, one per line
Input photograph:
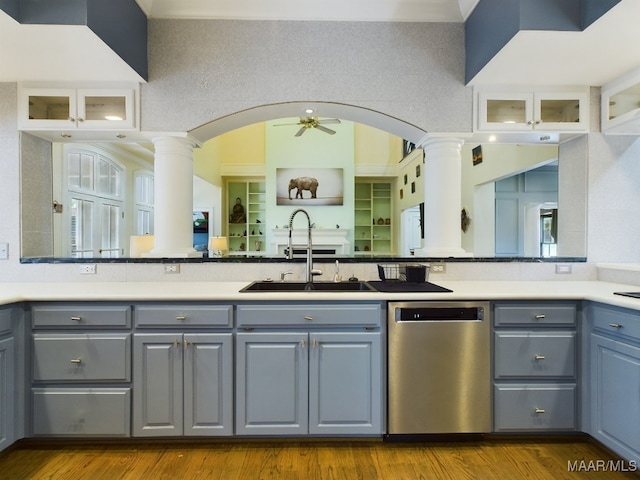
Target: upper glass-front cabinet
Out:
[68,108]
[527,111]
[621,105]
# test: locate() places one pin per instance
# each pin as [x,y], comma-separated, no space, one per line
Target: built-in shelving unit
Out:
[373,232]
[246,235]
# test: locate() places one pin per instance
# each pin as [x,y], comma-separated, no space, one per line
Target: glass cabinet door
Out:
[105,109]
[561,111]
[47,108]
[505,112]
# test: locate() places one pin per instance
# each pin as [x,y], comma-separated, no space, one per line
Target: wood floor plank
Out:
[307,460]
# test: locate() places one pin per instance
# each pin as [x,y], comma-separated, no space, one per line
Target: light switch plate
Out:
[4,251]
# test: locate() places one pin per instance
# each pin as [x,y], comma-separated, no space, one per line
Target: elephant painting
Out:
[303,183]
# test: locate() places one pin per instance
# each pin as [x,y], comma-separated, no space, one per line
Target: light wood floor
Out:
[307,460]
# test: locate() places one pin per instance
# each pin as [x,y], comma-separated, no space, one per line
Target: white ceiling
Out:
[607,49]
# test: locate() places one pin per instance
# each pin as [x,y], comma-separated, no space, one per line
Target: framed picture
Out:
[476,155]
[309,186]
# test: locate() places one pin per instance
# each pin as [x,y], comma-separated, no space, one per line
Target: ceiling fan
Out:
[312,122]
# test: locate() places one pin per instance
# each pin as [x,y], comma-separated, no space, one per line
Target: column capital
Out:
[173,142]
[432,139]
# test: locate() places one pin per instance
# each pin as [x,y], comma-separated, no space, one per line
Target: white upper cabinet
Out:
[621,105]
[532,110]
[77,108]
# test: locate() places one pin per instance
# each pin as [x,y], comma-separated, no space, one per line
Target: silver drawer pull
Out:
[303,343]
[76,360]
[187,343]
[176,343]
[76,319]
[181,318]
[539,357]
[308,317]
[540,410]
[540,316]
[615,325]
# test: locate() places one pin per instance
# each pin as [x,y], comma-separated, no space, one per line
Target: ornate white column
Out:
[442,197]
[173,197]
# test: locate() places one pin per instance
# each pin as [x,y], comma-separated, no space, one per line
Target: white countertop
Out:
[230,291]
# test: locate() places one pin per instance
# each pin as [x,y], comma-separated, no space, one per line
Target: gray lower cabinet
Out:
[615,379]
[81,370]
[183,384]
[183,370]
[535,366]
[7,379]
[308,381]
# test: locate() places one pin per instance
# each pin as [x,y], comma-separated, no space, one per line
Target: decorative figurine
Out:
[237,213]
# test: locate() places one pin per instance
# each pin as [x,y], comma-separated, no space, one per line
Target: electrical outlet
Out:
[439,267]
[563,268]
[172,268]
[4,251]
[88,269]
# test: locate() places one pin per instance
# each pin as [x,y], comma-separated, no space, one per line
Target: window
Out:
[143,192]
[95,192]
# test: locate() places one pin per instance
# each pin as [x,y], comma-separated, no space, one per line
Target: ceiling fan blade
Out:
[284,124]
[329,121]
[325,129]
[301,131]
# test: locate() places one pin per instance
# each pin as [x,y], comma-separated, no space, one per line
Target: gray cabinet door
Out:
[7,389]
[208,384]
[345,381]
[157,384]
[615,393]
[272,383]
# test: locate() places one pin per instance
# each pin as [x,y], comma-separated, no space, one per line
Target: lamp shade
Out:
[218,245]
[140,244]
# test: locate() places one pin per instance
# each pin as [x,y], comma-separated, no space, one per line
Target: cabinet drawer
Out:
[534,313]
[534,354]
[184,315]
[617,321]
[103,412]
[81,357]
[79,315]
[535,407]
[309,314]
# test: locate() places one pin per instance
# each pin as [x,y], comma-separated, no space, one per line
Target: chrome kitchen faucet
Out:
[311,272]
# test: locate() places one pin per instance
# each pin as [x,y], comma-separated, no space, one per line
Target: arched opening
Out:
[343,111]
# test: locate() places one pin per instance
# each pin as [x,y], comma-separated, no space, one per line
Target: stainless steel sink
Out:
[267,286]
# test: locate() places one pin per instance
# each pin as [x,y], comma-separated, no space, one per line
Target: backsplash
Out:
[247,272]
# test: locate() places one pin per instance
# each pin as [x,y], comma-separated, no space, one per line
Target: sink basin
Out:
[265,286]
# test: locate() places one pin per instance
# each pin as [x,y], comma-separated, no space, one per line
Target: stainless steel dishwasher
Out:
[439,372]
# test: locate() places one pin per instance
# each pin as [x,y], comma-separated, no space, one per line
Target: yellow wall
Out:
[375,147]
